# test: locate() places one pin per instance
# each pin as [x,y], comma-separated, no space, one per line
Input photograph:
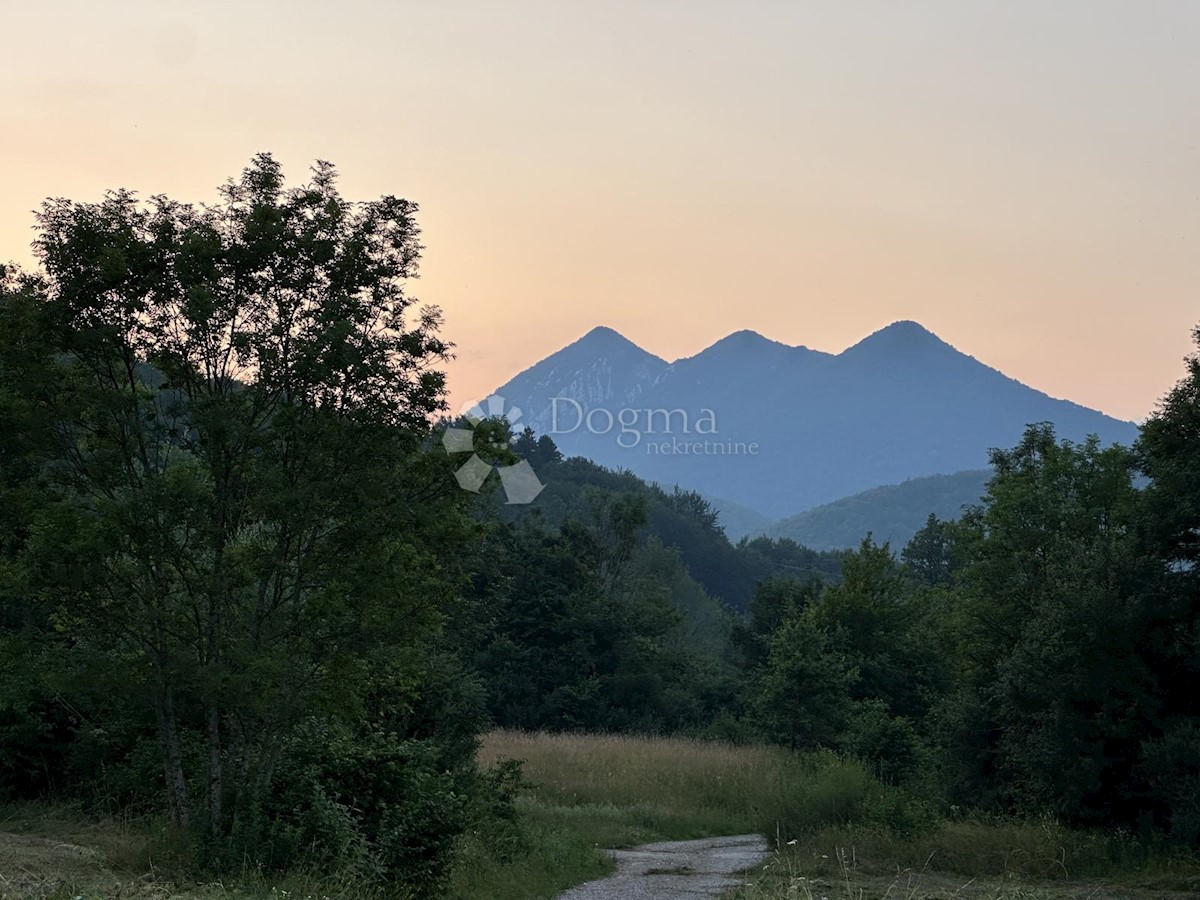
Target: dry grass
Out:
[681,788]
[675,788]
[614,768]
[47,852]
[851,838]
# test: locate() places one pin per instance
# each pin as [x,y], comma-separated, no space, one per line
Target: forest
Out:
[242,593]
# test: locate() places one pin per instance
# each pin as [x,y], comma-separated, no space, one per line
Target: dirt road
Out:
[703,868]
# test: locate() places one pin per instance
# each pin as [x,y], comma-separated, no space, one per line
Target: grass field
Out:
[839,835]
[588,792]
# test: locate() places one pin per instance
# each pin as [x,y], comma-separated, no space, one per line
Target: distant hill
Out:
[739,521]
[892,513]
[779,429]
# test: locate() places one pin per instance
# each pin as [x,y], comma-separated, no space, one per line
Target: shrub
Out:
[1171,766]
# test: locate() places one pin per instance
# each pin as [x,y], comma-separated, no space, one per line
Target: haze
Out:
[1022,179]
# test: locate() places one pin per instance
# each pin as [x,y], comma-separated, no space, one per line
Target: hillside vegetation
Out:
[892,513]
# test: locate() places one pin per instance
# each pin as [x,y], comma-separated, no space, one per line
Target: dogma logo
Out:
[520,482]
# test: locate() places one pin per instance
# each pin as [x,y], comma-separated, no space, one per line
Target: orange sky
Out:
[1021,178]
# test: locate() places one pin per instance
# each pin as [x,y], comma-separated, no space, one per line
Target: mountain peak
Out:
[746,341]
[603,339]
[906,327]
[604,332]
[904,336]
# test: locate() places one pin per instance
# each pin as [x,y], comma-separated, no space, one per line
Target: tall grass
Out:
[588,792]
[997,860]
[680,788]
[59,851]
[839,833]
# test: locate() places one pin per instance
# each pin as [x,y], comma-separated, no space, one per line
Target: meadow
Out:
[838,833]
[588,792]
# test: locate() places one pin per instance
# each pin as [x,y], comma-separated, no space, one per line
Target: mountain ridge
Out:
[780,428]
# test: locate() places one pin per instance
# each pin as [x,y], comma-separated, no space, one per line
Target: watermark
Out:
[660,431]
[676,447]
[521,484]
[690,433]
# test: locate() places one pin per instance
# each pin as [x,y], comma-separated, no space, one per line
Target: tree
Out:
[39,701]
[844,665]
[582,630]
[879,622]
[928,555]
[1168,454]
[1056,599]
[243,525]
[775,601]
[803,693]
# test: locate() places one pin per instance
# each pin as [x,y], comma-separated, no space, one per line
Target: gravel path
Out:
[703,868]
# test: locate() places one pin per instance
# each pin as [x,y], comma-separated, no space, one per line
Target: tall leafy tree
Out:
[802,694]
[244,529]
[1058,691]
[928,555]
[1168,453]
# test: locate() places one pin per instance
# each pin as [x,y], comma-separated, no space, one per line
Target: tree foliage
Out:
[235,522]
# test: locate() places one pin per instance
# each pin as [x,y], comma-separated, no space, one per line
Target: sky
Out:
[1021,177]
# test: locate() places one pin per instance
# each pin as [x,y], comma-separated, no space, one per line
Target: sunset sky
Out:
[1023,178]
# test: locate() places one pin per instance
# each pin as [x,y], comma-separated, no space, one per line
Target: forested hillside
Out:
[681,520]
[889,514]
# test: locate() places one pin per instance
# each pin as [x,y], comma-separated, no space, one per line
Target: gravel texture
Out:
[704,868]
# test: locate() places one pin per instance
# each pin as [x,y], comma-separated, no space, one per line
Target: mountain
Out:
[892,513]
[601,370]
[782,429]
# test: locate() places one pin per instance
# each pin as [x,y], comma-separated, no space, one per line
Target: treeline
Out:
[611,603]
[241,589]
[1041,656]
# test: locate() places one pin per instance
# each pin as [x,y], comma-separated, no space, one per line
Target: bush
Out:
[888,743]
[368,803]
[1171,766]
[828,790]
